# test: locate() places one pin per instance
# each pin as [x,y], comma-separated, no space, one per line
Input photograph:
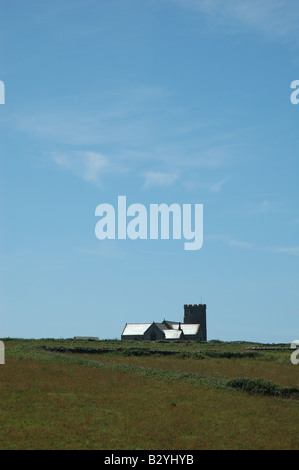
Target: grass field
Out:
[62,394]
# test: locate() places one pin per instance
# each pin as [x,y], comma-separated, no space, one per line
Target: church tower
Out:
[197,314]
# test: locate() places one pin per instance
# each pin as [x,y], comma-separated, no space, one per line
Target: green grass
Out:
[131,396]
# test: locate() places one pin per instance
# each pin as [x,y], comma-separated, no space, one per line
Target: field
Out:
[113,395]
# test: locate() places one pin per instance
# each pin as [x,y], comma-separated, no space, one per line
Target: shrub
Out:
[263,387]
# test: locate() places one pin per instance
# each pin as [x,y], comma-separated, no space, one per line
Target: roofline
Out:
[159,323]
[141,334]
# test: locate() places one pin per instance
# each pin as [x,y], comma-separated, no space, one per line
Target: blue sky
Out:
[174,101]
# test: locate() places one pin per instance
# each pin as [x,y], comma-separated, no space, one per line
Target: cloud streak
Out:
[289,250]
[131,133]
[155,178]
[241,244]
[90,166]
[229,241]
[276,19]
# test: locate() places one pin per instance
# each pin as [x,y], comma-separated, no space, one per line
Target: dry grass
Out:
[68,406]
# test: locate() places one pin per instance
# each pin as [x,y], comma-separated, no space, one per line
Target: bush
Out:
[256,386]
[263,387]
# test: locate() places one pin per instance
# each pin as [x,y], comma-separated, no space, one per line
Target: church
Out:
[193,328]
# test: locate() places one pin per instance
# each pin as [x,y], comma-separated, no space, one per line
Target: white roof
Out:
[136,328]
[190,328]
[174,325]
[172,334]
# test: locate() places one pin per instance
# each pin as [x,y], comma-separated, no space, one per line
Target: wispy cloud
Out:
[155,178]
[117,116]
[262,208]
[239,244]
[217,187]
[245,245]
[290,250]
[130,126]
[277,19]
[214,187]
[90,166]
[229,241]
[198,153]
[105,249]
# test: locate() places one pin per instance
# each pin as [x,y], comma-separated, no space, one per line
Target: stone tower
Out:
[197,314]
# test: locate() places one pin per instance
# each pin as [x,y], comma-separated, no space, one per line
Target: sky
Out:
[161,101]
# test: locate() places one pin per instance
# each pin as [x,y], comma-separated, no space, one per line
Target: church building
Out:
[194,327]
